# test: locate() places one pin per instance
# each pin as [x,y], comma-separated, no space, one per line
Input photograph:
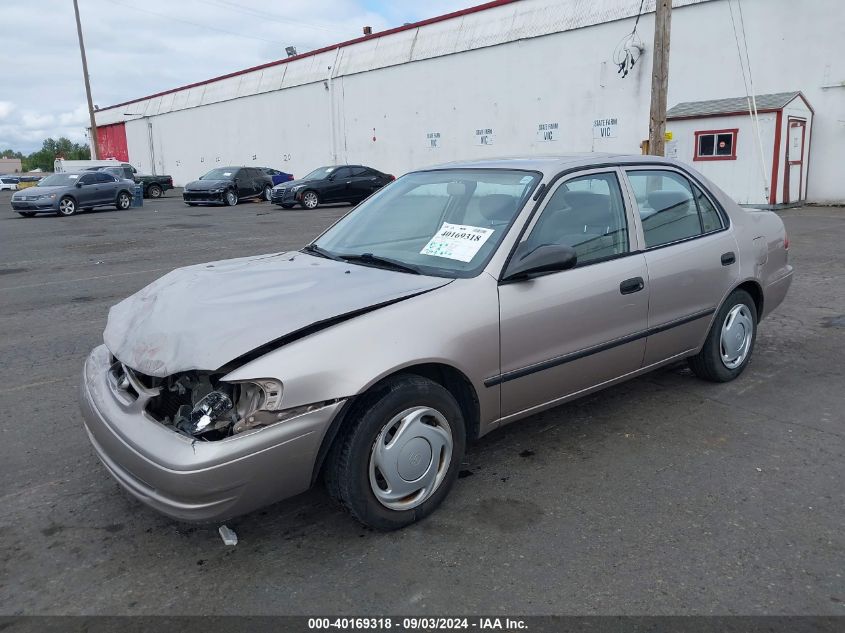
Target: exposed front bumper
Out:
[203,197]
[196,480]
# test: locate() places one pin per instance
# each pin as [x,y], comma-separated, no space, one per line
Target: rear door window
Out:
[666,204]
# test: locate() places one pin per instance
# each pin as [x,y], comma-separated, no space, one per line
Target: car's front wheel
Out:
[268,193]
[730,342]
[310,200]
[124,201]
[400,454]
[67,206]
[230,198]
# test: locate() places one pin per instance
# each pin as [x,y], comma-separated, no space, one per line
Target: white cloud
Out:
[139,48]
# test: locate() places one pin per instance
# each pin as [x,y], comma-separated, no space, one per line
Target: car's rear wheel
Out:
[730,342]
[154,191]
[268,193]
[67,207]
[310,200]
[230,198]
[124,201]
[27,214]
[400,453]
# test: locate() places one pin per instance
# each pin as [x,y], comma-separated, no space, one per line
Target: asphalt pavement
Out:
[665,495]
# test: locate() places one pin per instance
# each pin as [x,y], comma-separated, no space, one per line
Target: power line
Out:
[202,26]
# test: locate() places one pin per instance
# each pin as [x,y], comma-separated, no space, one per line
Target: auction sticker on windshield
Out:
[454,241]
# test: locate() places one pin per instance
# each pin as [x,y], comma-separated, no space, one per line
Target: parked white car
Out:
[8,184]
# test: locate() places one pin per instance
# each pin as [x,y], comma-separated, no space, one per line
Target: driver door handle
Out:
[630,286]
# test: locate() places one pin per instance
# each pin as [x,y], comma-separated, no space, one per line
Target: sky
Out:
[139,47]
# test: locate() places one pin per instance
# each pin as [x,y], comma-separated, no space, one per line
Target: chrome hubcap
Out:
[268,193]
[310,200]
[66,206]
[737,334]
[231,198]
[124,201]
[410,458]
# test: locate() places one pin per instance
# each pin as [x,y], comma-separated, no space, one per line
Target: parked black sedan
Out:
[228,185]
[336,183]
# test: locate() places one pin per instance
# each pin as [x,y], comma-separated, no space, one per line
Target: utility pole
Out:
[87,83]
[659,78]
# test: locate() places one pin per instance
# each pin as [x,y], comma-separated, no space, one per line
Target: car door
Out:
[245,183]
[107,186]
[691,254]
[564,332]
[87,192]
[363,181]
[336,186]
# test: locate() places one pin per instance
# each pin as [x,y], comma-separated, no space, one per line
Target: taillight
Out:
[785,241]
[391,176]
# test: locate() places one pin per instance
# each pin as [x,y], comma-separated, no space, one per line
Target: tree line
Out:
[51,149]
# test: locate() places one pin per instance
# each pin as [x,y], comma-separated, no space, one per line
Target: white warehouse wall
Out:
[565,77]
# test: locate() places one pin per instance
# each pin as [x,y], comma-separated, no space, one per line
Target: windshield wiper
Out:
[380,262]
[321,252]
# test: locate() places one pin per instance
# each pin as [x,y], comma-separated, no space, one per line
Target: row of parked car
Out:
[110,183]
[333,183]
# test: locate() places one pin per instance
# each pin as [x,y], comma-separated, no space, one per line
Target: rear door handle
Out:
[630,286]
[728,258]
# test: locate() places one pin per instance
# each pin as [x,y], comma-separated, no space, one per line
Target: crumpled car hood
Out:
[204,316]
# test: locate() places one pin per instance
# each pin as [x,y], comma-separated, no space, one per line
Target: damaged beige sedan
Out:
[452,302]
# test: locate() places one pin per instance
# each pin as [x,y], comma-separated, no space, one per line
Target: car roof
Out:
[552,163]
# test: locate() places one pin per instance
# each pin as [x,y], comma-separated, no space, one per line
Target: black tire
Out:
[708,363]
[230,198]
[154,191]
[307,198]
[287,206]
[267,195]
[347,472]
[27,214]
[123,202]
[67,207]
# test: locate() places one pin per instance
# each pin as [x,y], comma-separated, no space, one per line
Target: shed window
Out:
[716,145]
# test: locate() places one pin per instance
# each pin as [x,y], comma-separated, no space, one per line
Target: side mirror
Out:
[78,184]
[548,258]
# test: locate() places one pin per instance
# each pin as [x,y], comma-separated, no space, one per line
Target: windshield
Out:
[58,180]
[221,173]
[319,174]
[444,222]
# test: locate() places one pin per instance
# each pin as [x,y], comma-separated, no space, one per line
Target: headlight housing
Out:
[297,187]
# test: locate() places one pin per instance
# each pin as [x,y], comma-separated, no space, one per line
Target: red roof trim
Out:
[357,40]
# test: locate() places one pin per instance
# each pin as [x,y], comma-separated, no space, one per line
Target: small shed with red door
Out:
[763,165]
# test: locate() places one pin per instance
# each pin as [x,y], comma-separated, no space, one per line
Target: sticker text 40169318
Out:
[456,241]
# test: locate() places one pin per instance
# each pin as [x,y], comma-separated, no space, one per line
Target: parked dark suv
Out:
[228,185]
[337,183]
